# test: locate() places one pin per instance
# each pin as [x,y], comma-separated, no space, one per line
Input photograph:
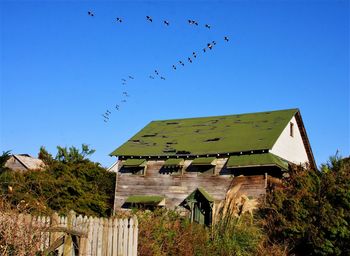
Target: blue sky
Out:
[61,69]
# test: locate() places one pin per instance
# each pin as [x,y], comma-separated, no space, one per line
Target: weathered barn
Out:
[24,162]
[191,163]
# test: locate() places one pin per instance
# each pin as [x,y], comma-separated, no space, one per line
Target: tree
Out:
[72,154]
[45,156]
[3,159]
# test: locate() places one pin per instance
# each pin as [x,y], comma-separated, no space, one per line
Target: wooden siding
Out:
[175,188]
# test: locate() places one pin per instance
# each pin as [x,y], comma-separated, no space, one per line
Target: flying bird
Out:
[163,78]
[105,120]
[166,22]
[210,46]
[106,117]
[91,14]
[174,67]
[123,83]
[189,60]
[195,23]
[119,20]
[109,112]
[123,100]
[124,80]
[213,42]
[149,18]
[194,55]
[131,77]
[151,77]
[204,49]
[207,26]
[226,38]
[190,21]
[117,107]
[157,73]
[181,63]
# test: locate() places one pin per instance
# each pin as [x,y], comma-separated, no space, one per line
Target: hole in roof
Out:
[170,143]
[197,131]
[170,123]
[214,121]
[169,150]
[135,141]
[268,113]
[269,128]
[164,136]
[182,152]
[195,125]
[210,140]
[149,135]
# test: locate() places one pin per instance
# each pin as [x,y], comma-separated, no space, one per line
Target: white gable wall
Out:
[291,148]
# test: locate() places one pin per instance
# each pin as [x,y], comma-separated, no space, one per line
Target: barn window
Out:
[291,129]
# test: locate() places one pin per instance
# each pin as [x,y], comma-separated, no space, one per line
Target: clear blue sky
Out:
[61,69]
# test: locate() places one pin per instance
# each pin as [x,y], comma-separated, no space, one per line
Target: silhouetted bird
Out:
[149,18]
[106,117]
[119,20]
[226,38]
[190,21]
[210,46]
[181,63]
[194,55]
[189,59]
[163,78]
[123,100]
[123,83]
[166,22]
[174,67]
[124,80]
[131,77]
[105,120]
[207,26]
[117,107]
[91,14]
[151,77]
[204,49]
[109,112]
[157,73]
[213,42]
[195,23]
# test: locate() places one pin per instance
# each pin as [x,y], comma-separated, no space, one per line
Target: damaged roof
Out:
[208,135]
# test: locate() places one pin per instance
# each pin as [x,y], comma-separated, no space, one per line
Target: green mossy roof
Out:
[208,135]
[203,160]
[202,191]
[266,159]
[145,199]
[133,162]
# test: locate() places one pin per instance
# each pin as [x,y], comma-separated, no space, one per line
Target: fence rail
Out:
[82,235]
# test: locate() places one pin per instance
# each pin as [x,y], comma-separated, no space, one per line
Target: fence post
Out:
[136,235]
[68,242]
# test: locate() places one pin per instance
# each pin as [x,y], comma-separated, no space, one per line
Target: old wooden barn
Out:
[190,164]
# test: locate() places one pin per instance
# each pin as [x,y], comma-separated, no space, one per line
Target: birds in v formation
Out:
[157,74]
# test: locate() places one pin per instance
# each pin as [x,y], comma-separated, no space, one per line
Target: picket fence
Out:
[85,236]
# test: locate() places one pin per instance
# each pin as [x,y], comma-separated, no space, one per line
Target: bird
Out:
[126,94]
[226,39]
[207,26]
[109,112]
[190,21]
[157,73]
[181,63]
[151,77]
[213,42]
[210,46]
[123,83]
[91,14]
[106,117]
[163,78]
[194,55]
[166,22]
[117,107]
[123,79]
[123,100]
[105,120]
[149,18]
[189,60]
[204,49]
[195,23]
[119,20]
[131,77]
[174,67]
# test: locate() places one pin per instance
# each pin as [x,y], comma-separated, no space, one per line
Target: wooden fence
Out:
[78,235]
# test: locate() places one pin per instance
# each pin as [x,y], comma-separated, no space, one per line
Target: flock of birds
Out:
[156,74]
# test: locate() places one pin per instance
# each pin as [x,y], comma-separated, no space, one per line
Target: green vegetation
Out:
[69,182]
[311,214]
[208,135]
